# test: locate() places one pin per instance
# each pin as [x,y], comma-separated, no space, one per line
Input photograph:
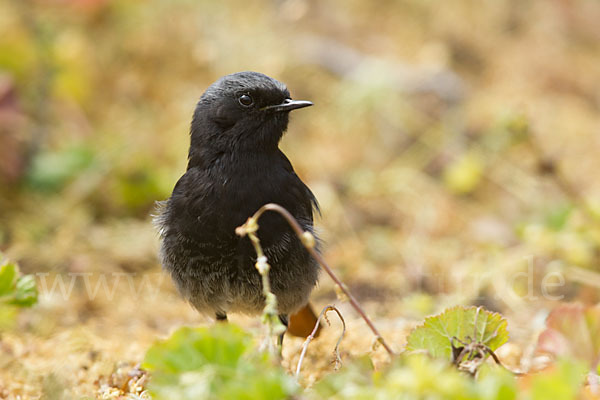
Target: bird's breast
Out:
[227,194]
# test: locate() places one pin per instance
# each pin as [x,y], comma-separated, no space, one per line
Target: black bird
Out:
[234,167]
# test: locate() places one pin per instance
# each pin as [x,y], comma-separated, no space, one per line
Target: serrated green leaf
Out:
[435,335]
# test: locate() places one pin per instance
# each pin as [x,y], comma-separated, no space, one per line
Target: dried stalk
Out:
[270,316]
[308,240]
[336,350]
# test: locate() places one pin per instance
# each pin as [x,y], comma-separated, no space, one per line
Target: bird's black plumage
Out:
[234,167]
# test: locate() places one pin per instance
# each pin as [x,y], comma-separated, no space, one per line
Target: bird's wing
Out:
[311,201]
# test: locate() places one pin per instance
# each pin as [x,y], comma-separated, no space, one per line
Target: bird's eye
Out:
[246,100]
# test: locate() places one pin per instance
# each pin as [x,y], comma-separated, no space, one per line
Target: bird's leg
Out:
[284,320]
[221,317]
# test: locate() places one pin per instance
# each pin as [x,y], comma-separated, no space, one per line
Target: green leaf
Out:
[214,363]
[414,376]
[466,324]
[15,290]
[494,383]
[561,383]
[26,293]
[189,349]
[8,316]
[8,274]
[270,382]
[357,377]
[427,378]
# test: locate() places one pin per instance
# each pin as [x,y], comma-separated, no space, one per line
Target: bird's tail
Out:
[303,322]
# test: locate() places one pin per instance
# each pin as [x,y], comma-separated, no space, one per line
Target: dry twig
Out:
[308,240]
[336,350]
[270,316]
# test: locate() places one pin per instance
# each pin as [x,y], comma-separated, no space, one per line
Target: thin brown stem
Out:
[336,350]
[309,242]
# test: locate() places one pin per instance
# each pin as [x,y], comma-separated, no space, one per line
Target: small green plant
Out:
[217,362]
[459,327]
[16,291]
[414,376]
[418,376]
[563,381]
[222,362]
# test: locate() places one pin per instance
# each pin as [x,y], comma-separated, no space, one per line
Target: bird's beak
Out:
[288,105]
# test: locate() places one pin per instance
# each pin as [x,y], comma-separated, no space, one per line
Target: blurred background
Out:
[454,148]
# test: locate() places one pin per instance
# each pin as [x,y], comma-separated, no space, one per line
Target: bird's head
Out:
[245,110]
